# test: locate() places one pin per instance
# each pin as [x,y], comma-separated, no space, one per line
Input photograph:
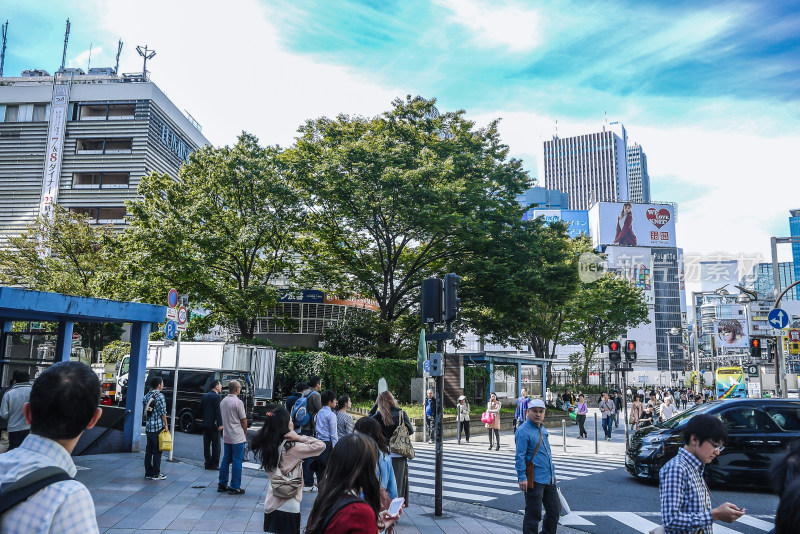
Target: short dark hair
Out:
[314,381]
[787,516]
[155,382]
[64,398]
[705,427]
[215,383]
[327,397]
[301,387]
[21,376]
[342,401]
[698,397]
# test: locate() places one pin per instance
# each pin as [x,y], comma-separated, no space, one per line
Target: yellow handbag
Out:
[165,440]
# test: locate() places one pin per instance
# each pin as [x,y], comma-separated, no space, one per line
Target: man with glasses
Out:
[685,499]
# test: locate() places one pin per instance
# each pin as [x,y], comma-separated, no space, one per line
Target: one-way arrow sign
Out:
[778,318]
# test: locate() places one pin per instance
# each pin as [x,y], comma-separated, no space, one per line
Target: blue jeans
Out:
[608,423]
[232,453]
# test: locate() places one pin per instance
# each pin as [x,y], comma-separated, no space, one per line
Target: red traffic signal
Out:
[613,352]
[630,346]
[613,346]
[755,343]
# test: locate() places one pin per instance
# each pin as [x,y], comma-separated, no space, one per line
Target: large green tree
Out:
[222,233]
[602,311]
[400,197]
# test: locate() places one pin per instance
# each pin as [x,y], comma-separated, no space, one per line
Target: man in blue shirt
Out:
[535,472]
[522,409]
[327,431]
[430,414]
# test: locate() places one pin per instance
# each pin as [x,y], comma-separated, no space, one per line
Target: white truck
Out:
[220,355]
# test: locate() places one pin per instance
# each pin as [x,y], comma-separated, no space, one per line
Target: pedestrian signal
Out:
[630,351]
[755,348]
[613,352]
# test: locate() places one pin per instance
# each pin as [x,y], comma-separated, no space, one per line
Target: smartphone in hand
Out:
[395,506]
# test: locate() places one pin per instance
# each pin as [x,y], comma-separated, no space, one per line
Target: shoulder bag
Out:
[529,467]
[26,486]
[400,443]
[286,486]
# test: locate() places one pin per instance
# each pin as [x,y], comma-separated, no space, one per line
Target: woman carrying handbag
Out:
[281,452]
[493,409]
[462,417]
[390,417]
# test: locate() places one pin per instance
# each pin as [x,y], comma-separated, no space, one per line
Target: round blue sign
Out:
[778,318]
[169,329]
[426,366]
[172,298]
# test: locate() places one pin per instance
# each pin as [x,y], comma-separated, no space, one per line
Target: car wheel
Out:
[186,422]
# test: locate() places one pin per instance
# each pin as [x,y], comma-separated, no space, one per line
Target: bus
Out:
[730,383]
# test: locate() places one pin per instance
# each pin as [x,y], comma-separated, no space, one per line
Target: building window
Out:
[103,215]
[104,146]
[121,111]
[118,146]
[89,146]
[94,113]
[97,180]
[12,114]
[39,112]
[101,112]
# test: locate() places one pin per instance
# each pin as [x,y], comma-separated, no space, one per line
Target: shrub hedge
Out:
[354,376]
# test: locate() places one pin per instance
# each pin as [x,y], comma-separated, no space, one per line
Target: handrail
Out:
[108,429]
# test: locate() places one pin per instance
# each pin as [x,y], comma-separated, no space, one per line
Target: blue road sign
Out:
[172,298]
[778,318]
[169,329]
[426,366]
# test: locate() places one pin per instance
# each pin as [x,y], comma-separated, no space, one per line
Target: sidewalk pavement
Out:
[187,501]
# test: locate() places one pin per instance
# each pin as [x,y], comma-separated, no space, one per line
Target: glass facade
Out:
[667,290]
[794,231]
[761,279]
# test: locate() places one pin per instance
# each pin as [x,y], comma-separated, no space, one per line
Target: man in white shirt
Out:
[11,409]
[63,403]
[234,435]
[668,409]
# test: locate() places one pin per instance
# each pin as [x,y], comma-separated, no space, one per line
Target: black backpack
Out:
[22,489]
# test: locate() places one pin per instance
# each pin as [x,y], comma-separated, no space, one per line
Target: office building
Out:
[794,231]
[83,141]
[543,198]
[638,179]
[761,279]
[589,168]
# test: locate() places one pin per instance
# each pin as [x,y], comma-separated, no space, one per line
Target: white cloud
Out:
[81,60]
[508,26]
[224,64]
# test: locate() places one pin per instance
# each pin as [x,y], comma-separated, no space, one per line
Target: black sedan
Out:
[759,430]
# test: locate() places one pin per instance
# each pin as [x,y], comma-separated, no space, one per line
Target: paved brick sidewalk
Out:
[187,501]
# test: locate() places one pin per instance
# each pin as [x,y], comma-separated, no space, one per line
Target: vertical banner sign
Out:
[55,146]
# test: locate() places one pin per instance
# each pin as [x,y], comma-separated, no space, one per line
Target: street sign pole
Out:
[174,394]
[439,449]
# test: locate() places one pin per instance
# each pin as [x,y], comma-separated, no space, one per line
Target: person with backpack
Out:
[155,411]
[299,388]
[63,404]
[339,507]
[304,414]
[281,451]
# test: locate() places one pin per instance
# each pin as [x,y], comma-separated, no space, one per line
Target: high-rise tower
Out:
[638,179]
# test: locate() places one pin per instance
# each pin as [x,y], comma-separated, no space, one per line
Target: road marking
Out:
[251,465]
[573,520]
[456,485]
[754,522]
[472,497]
[719,529]
[634,521]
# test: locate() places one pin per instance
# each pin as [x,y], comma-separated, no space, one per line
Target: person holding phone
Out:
[338,508]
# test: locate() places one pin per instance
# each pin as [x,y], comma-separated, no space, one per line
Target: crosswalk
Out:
[644,522]
[475,475]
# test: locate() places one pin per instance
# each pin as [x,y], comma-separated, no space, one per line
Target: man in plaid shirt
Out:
[156,422]
[685,499]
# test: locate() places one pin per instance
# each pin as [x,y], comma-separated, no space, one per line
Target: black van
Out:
[192,385]
[759,430]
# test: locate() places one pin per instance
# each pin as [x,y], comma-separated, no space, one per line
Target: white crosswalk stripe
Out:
[476,475]
[643,522]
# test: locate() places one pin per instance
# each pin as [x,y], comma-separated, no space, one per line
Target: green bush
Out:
[115,351]
[354,376]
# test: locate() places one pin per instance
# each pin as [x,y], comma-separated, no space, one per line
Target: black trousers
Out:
[308,464]
[431,422]
[581,418]
[496,433]
[152,455]
[321,462]
[463,425]
[211,447]
[541,494]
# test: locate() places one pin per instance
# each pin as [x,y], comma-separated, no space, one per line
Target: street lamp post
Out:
[776,277]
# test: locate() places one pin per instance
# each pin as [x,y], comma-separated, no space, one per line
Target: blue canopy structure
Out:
[24,305]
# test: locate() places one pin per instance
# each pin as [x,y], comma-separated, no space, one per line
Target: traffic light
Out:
[755,348]
[451,301]
[432,301]
[630,351]
[613,352]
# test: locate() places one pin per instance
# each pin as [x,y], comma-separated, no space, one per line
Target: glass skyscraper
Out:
[794,231]
[638,178]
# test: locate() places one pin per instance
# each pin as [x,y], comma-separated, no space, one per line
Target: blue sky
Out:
[710,90]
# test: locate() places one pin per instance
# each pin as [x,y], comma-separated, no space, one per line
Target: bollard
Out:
[564,433]
[595,435]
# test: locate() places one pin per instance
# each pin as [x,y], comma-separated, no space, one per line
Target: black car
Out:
[192,385]
[759,430]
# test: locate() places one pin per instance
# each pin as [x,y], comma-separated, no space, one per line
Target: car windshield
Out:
[682,417]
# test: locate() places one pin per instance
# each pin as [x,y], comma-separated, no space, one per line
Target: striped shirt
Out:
[154,422]
[344,423]
[685,501]
[64,507]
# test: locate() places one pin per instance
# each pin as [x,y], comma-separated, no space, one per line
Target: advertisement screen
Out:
[578,220]
[634,264]
[731,333]
[629,224]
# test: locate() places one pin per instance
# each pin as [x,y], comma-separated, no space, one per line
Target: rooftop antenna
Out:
[89,66]
[146,54]
[556,128]
[119,51]
[605,120]
[3,50]
[66,40]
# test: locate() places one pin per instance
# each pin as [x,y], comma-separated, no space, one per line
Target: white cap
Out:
[462,397]
[536,403]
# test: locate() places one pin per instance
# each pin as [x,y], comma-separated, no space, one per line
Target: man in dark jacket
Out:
[212,425]
[430,414]
[618,407]
[299,388]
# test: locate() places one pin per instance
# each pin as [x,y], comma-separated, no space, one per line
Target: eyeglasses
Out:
[719,448]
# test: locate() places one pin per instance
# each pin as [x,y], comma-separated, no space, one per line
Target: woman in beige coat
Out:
[637,410]
[279,447]
[462,417]
[493,406]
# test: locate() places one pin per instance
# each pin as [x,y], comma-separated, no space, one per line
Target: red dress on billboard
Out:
[625,235]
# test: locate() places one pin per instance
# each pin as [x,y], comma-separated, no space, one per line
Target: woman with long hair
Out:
[624,234]
[338,509]
[389,416]
[370,427]
[493,406]
[279,448]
